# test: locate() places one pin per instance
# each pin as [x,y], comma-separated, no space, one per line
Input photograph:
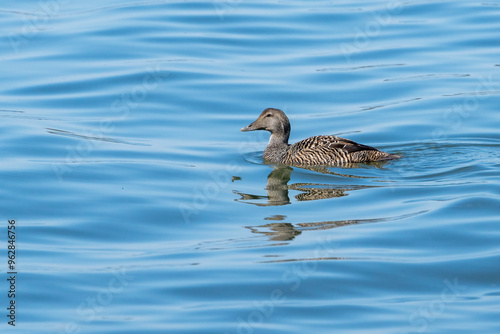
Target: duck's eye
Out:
[268,115]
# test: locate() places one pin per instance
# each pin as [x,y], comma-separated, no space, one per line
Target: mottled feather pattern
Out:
[325,150]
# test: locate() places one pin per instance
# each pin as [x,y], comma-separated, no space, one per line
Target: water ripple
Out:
[147,220]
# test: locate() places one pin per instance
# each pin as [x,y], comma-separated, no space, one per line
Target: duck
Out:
[322,150]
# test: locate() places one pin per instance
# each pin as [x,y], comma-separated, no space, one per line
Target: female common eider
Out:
[313,151]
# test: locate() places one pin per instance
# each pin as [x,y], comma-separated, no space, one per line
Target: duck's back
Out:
[330,150]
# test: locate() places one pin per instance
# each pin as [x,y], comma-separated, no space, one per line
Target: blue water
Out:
[141,208]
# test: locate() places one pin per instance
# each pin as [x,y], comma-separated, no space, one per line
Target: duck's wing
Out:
[331,142]
[347,144]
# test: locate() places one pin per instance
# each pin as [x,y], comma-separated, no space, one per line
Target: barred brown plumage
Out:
[312,151]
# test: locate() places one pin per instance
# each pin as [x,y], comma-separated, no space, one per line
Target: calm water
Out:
[141,208]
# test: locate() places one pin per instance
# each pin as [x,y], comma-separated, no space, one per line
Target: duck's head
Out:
[272,120]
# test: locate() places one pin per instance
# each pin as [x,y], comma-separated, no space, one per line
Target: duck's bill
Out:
[247,128]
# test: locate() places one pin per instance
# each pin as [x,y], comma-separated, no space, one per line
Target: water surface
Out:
[141,208]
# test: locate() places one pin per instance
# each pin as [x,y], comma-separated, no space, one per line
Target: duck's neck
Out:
[278,139]
[280,135]
[276,149]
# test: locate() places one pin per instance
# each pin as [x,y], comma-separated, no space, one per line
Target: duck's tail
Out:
[388,156]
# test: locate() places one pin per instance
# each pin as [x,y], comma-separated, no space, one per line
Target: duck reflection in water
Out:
[286,231]
[277,189]
[283,231]
[279,231]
